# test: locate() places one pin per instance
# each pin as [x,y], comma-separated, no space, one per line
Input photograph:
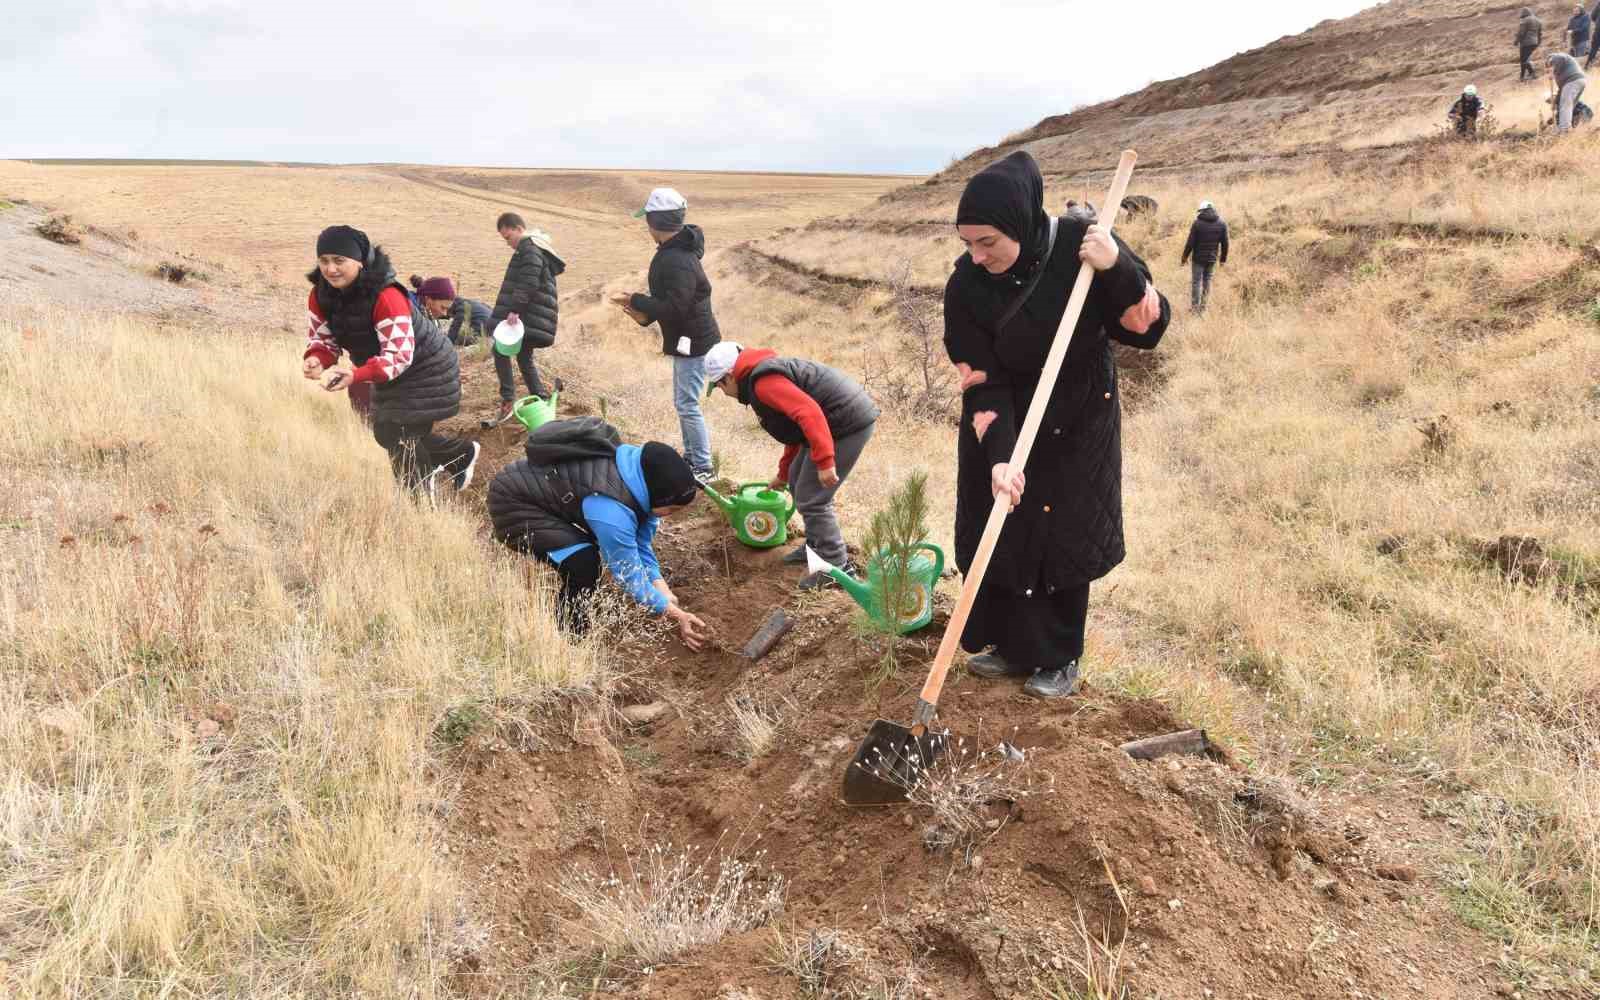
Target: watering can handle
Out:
[1019,457]
[786,517]
[938,558]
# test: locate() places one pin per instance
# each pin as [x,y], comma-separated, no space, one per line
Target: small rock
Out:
[1057,964]
[1174,765]
[643,715]
[1174,904]
[838,859]
[1396,873]
[207,728]
[909,820]
[1327,885]
[1147,887]
[539,769]
[977,862]
[991,824]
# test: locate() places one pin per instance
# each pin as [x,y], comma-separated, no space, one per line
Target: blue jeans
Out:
[688,387]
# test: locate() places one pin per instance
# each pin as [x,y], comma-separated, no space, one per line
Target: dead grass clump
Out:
[817,960]
[177,273]
[971,795]
[60,229]
[755,726]
[671,900]
[913,376]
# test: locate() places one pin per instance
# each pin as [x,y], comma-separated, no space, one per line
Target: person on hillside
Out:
[527,296]
[1002,307]
[680,300]
[1208,245]
[1530,32]
[357,307]
[1578,27]
[469,318]
[1464,112]
[823,419]
[1570,83]
[599,502]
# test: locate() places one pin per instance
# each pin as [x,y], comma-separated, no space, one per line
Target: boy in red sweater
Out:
[822,417]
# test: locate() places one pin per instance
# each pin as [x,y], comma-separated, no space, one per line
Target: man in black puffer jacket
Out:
[357,306]
[528,293]
[1208,244]
[680,300]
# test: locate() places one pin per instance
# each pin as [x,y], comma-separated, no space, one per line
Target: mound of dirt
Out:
[1203,879]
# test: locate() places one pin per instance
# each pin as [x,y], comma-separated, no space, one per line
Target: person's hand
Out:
[622,299]
[829,477]
[338,380]
[515,319]
[311,368]
[1003,480]
[692,630]
[665,591]
[1099,250]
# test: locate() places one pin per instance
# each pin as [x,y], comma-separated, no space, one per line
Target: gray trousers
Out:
[1200,284]
[1568,100]
[815,501]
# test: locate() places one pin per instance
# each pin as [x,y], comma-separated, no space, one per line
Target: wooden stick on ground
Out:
[1190,742]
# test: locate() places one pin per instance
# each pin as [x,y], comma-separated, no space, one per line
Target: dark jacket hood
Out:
[688,238]
[1209,215]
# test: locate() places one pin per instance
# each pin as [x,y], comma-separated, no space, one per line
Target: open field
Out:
[270,730]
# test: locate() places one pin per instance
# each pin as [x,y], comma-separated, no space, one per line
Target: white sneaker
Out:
[464,477]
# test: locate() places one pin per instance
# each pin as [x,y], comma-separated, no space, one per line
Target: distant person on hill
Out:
[823,419]
[1594,35]
[1208,245]
[1570,83]
[1530,32]
[469,318]
[1578,27]
[680,300]
[1002,307]
[358,307]
[1464,112]
[579,500]
[527,295]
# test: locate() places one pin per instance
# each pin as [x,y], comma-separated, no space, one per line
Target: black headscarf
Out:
[667,477]
[346,241]
[1009,195]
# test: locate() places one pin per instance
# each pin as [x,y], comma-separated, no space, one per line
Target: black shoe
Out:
[1058,682]
[796,558]
[991,667]
[463,479]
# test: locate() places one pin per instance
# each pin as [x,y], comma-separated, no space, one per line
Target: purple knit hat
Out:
[437,288]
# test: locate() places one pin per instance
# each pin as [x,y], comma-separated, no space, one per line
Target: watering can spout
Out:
[722,502]
[857,589]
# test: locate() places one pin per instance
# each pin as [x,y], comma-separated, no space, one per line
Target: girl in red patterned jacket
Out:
[357,307]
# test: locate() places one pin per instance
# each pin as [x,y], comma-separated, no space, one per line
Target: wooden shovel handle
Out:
[1019,458]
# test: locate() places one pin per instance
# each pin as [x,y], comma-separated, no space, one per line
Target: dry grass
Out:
[225,642]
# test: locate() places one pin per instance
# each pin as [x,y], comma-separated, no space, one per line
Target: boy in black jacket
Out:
[680,300]
[528,294]
[1208,244]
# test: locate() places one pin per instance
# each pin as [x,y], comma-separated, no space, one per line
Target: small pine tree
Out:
[889,541]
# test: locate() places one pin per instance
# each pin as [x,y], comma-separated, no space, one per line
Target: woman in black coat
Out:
[1065,528]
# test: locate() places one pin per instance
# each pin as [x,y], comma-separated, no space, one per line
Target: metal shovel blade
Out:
[889,763]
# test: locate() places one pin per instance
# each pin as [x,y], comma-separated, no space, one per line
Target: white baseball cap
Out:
[1205,205]
[662,200]
[720,361]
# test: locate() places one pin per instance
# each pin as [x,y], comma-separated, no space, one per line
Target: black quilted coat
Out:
[529,290]
[1068,529]
[680,296]
[426,392]
[539,508]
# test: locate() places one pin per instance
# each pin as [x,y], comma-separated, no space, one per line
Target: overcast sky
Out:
[837,85]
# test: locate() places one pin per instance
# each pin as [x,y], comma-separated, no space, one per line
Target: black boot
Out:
[1056,682]
[796,558]
[991,666]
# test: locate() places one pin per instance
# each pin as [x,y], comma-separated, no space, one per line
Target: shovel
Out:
[892,758]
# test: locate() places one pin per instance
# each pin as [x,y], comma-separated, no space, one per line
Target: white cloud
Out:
[829,84]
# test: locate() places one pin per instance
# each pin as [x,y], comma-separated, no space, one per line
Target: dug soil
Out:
[1205,880]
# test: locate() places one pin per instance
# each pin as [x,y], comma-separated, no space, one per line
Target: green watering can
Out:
[534,412]
[759,514]
[916,604]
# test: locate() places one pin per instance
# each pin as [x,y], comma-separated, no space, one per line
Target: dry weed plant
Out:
[671,899]
[756,724]
[225,641]
[960,786]
[1098,975]
[818,959]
